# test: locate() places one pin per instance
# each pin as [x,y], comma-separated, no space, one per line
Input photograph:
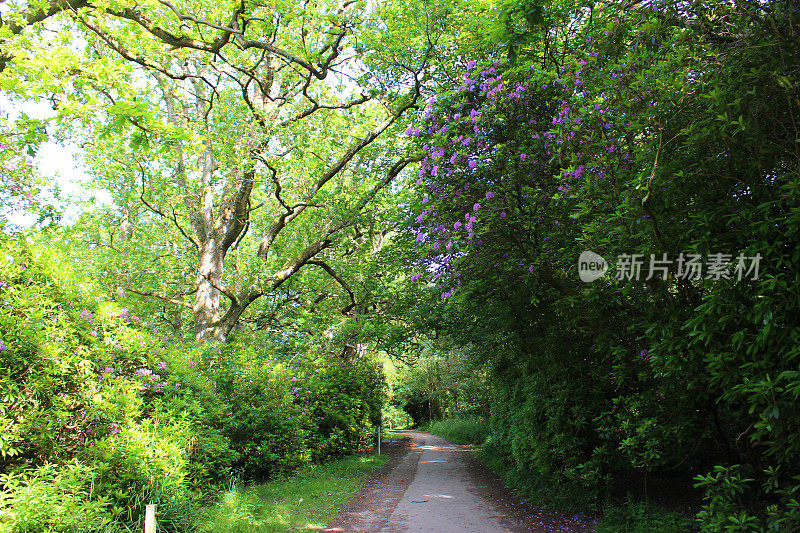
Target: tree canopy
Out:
[577,220]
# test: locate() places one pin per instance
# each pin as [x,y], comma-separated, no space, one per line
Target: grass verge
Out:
[460,430]
[304,502]
[391,435]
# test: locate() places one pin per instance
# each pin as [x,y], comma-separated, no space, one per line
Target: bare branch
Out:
[316,106]
[139,59]
[22,20]
[390,176]
[232,297]
[173,218]
[169,299]
[226,30]
[325,266]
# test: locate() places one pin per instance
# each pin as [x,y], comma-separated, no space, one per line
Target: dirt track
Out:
[432,485]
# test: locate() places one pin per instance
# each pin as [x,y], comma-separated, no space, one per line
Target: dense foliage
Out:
[265,253]
[669,129]
[104,412]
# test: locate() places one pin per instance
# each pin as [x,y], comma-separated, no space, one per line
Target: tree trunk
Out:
[207,300]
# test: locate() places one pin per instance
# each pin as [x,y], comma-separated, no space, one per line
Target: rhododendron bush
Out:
[104,411]
[660,132]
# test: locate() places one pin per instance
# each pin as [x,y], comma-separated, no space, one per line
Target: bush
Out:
[103,409]
[266,429]
[281,417]
[639,517]
[55,498]
[148,462]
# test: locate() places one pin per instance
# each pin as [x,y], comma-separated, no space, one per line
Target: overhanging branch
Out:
[169,299]
[327,268]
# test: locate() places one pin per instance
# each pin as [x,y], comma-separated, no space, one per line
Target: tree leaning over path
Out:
[201,120]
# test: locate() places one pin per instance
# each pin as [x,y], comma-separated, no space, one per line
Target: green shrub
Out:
[629,516]
[345,408]
[281,417]
[149,419]
[537,489]
[148,462]
[55,498]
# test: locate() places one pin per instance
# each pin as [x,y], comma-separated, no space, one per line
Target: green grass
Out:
[460,430]
[391,435]
[304,502]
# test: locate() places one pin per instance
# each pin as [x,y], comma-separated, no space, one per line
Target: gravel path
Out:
[432,485]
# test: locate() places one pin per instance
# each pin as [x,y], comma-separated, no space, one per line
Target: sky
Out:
[59,163]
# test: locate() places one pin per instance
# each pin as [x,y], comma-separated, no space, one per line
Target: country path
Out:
[432,485]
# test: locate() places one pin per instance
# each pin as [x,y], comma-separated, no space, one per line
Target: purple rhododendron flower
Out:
[476,206]
[473,163]
[489,195]
[2,346]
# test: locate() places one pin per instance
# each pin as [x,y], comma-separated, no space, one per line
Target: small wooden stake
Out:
[379,440]
[150,518]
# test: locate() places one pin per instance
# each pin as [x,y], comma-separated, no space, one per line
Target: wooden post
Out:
[150,518]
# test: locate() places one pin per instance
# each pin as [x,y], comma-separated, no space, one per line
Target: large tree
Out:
[223,127]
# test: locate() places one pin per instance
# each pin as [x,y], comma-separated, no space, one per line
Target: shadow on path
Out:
[432,485]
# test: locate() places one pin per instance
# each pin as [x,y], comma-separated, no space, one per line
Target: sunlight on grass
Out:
[304,502]
[460,430]
[391,435]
